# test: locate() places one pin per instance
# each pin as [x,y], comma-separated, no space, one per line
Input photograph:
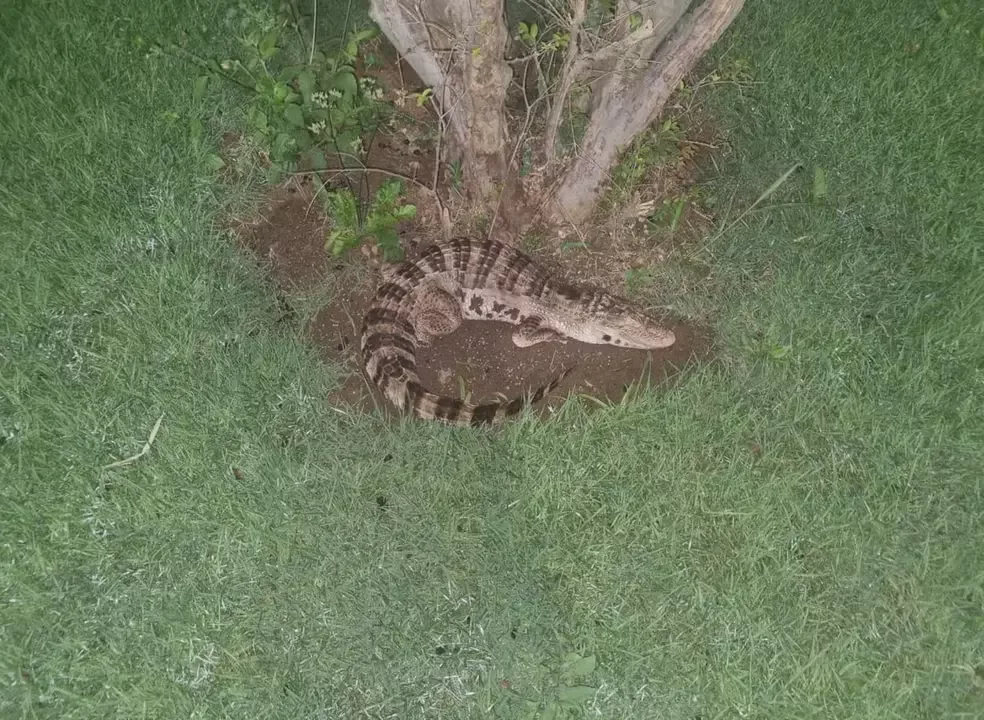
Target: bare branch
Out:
[577,66]
[416,50]
[619,47]
[567,78]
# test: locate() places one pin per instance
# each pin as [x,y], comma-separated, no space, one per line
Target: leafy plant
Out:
[379,221]
[637,279]
[454,170]
[307,110]
[304,104]
[528,33]
[307,105]
[656,146]
[669,213]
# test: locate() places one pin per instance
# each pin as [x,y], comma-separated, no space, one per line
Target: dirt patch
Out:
[287,234]
[479,360]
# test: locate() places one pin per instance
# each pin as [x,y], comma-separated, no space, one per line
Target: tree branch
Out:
[619,47]
[416,50]
[567,77]
[575,67]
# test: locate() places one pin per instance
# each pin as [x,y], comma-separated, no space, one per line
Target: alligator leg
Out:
[532,332]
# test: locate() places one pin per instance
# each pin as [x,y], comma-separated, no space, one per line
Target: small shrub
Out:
[378,222]
[306,106]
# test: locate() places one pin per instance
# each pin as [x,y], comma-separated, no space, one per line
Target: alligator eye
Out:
[606,338]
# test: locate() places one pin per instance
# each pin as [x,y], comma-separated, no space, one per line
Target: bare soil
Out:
[479,360]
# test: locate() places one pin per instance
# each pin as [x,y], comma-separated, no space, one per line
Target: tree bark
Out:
[634,57]
[458,48]
[629,102]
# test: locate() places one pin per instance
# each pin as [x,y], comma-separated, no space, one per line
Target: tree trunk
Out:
[628,102]
[457,48]
[632,63]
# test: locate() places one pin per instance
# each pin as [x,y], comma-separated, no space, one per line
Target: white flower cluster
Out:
[318,127]
[323,99]
[370,88]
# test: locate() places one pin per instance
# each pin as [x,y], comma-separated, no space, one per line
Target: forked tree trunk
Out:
[632,99]
[457,47]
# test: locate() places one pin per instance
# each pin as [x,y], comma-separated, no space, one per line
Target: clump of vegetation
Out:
[311,111]
[379,220]
[657,146]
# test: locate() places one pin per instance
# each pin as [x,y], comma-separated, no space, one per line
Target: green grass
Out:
[793,532]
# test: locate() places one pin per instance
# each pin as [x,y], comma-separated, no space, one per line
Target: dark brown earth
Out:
[479,360]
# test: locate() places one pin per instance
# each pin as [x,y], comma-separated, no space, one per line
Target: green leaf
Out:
[678,207]
[819,184]
[282,146]
[265,86]
[306,83]
[778,352]
[294,115]
[317,159]
[214,162]
[368,34]
[290,72]
[344,140]
[343,210]
[268,45]
[195,131]
[341,239]
[575,695]
[387,195]
[274,174]
[345,81]
[302,138]
[201,83]
[258,119]
[405,212]
[334,243]
[389,243]
[582,666]
[561,40]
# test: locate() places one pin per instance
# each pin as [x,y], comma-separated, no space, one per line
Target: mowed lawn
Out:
[794,531]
